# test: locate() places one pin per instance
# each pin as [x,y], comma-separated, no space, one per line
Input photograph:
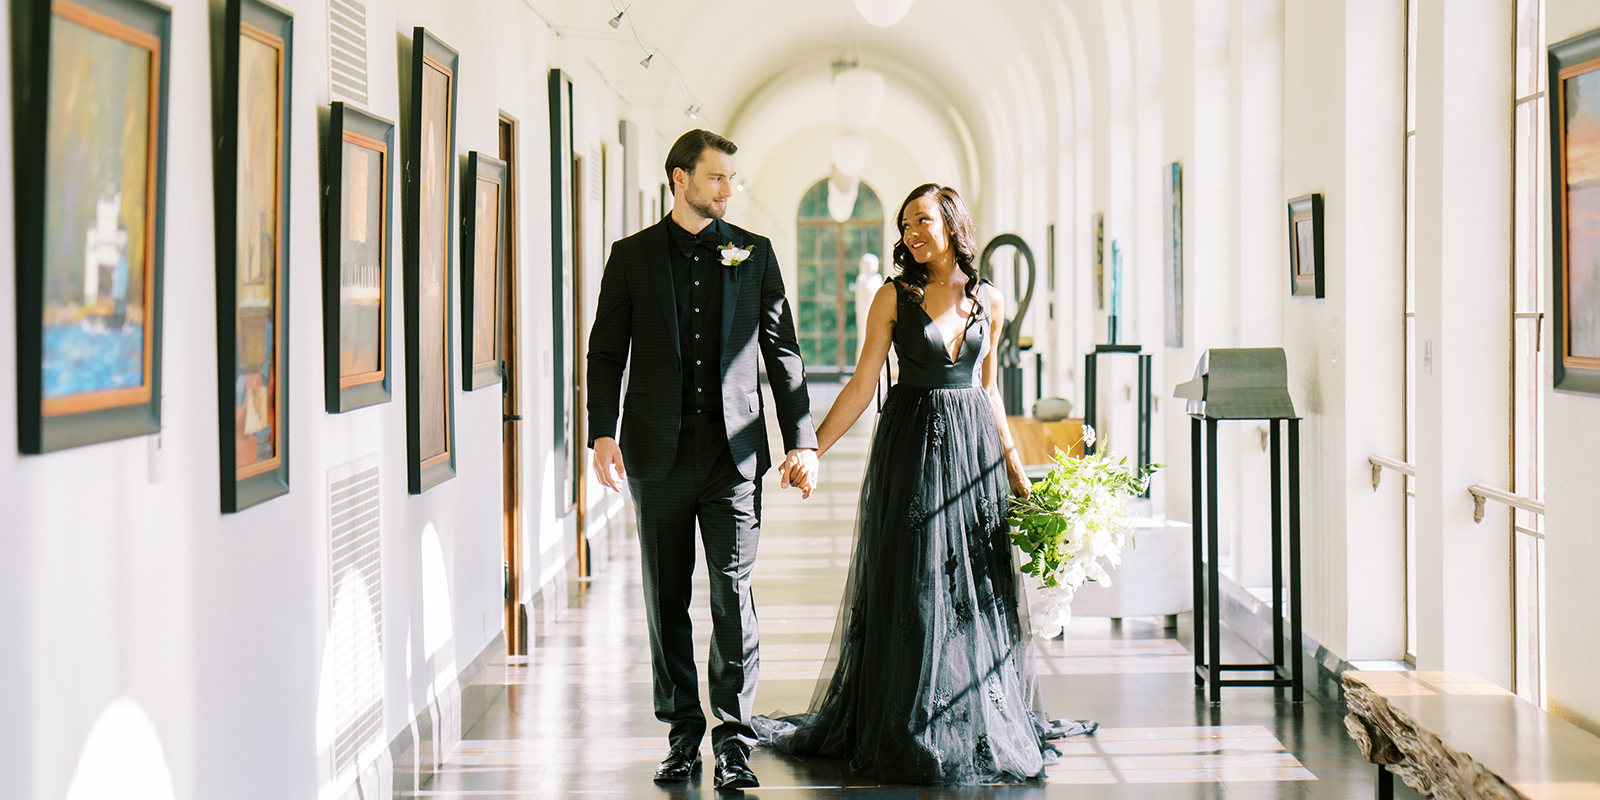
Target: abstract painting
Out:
[89,221]
[355,291]
[1306,262]
[1172,276]
[482,266]
[1575,183]
[252,231]
[430,208]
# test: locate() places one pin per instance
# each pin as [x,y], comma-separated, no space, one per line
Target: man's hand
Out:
[608,456]
[799,469]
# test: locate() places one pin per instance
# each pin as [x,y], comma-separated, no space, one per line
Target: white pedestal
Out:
[1155,577]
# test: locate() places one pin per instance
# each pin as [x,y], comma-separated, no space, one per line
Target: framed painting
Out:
[252,206]
[1100,261]
[1306,271]
[566,223]
[483,221]
[429,98]
[356,218]
[1575,205]
[1172,277]
[90,188]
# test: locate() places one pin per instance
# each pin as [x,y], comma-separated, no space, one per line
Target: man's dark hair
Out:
[688,150]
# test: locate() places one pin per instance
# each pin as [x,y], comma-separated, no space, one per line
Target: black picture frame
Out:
[429,177]
[64,401]
[481,173]
[351,281]
[1576,361]
[567,388]
[1305,229]
[252,91]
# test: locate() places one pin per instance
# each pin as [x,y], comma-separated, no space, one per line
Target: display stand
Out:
[1243,384]
[1091,398]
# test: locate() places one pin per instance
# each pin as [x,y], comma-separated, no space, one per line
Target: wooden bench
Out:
[1455,735]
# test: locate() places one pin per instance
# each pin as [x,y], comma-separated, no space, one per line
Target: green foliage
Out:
[1076,514]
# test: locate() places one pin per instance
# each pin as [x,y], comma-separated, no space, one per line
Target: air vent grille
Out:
[347,50]
[356,609]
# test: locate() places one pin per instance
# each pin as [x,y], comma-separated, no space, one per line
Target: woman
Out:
[931,681]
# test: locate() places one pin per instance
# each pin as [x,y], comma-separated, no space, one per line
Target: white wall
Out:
[124,580]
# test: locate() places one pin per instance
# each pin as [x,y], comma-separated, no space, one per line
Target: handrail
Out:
[1380,462]
[1481,493]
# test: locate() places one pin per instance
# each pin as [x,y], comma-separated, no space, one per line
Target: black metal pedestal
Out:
[1208,666]
[1091,397]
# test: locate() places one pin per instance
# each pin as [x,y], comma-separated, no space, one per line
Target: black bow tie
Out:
[707,237]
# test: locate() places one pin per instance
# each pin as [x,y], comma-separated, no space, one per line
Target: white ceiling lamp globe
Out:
[839,182]
[859,95]
[883,13]
[841,199]
[850,154]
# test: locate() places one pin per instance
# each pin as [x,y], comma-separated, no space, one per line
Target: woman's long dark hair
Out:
[960,230]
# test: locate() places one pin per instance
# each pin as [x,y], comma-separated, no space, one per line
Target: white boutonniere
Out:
[733,255]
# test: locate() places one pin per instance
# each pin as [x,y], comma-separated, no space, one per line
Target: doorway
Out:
[515,615]
[578,398]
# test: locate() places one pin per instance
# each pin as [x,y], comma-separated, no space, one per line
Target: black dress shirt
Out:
[697,286]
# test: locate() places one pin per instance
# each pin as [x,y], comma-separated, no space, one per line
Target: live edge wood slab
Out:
[1454,735]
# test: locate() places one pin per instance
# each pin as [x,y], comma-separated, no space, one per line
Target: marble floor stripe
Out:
[577,721]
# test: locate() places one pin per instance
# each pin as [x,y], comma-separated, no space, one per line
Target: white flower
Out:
[732,255]
[1050,612]
[1098,574]
[1088,436]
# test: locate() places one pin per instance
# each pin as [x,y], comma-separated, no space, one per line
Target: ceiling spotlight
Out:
[645,62]
[616,21]
[692,112]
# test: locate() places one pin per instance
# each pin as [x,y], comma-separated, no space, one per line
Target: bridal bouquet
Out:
[1077,517]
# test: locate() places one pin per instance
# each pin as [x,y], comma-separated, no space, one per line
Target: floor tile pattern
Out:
[576,720]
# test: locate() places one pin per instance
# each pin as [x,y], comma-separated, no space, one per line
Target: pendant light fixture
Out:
[858,94]
[883,13]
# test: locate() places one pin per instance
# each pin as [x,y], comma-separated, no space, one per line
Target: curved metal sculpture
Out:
[1011,334]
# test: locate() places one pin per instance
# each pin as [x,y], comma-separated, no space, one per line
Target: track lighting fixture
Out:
[645,62]
[616,21]
[692,112]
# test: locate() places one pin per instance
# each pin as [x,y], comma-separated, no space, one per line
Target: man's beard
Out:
[703,207]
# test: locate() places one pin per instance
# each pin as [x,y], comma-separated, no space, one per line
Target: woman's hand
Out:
[1020,486]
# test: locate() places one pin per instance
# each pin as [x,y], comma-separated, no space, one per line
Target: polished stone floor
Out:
[576,720]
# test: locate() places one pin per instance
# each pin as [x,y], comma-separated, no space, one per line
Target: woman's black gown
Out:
[928,679]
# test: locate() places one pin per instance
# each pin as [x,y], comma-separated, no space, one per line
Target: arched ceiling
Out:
[992,73]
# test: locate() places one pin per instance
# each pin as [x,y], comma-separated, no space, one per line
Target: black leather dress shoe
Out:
[680,764]
[733,770]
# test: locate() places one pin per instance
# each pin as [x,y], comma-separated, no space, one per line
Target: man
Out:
[697,299]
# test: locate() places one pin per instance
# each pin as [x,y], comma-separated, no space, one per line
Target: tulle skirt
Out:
[928,679]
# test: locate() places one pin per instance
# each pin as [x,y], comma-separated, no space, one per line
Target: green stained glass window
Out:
[807,277]
[829,259]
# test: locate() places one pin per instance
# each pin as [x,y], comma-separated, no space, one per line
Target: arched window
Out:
[829,258]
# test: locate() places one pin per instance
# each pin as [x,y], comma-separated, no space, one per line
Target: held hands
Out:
[608,456]
[799,468]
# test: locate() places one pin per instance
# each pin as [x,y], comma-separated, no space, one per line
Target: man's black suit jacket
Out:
[637,310]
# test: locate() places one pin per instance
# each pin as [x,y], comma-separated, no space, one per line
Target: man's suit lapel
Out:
[656,260]
[731,278]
